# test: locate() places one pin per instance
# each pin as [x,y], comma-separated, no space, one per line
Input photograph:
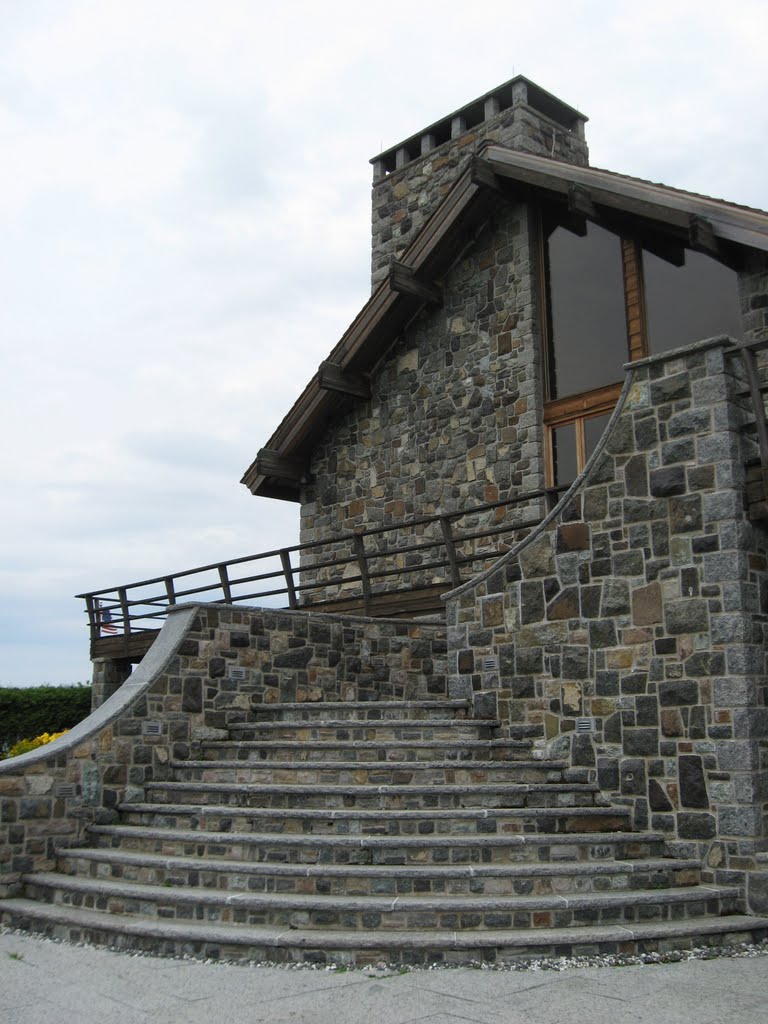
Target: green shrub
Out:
[34,710]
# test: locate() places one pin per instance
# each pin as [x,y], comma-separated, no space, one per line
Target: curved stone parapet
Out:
[629,626]
[48,795]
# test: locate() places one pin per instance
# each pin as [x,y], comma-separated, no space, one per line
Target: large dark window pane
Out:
[564,454]
[688,303]
[593,431]
[588,326]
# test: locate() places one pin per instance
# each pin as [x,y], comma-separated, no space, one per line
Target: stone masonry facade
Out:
[228,660]
[638,613]
[453,421]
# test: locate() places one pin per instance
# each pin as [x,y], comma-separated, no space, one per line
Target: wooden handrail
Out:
[131,607]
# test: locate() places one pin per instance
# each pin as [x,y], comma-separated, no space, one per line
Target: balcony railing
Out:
[413,560]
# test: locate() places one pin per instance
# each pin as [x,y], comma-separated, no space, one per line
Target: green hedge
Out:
[28,712]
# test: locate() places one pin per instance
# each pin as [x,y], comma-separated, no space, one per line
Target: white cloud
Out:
[184,231]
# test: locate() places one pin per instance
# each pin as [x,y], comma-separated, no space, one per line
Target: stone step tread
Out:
[372,723]
[435,872]
[354,705]
[277,938]
[542,765]
[494,743]
[391,789]
[364,814]
[381,904]
[463,839]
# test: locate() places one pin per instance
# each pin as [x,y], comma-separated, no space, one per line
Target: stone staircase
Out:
[358,833]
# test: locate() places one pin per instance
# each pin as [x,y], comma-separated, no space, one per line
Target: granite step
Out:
[369,710]
[207,940]
[373,772]
[455,730]
[414,796]
[387,821]
[354,750]
[443,913]
[444,850]
[381,880]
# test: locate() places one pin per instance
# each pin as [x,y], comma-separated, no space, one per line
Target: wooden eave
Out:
[667,218]
[673,211]
[374,330]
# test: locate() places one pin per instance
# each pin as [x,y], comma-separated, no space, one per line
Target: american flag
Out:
[106,625]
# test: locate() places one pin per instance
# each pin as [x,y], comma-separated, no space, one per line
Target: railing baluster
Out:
[170,590]
[225,584]
[285,558]
[450,547]
[362,561]
[123,598]
[93,617]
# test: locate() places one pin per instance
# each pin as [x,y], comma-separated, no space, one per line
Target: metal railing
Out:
[351,568]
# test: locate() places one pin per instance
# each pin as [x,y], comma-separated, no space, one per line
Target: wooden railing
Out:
[355,570]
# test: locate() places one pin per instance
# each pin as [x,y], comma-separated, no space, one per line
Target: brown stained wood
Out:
[588,403]
[272,463]
[701,236]
[634,299]
[132,647]
[403,279]
[332,377]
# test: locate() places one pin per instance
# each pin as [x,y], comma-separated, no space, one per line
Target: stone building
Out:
[536,323]
[542,440]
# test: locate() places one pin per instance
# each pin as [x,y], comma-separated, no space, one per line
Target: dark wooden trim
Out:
[482,174]
[272,463]
[403,279]
[701,236]
[331,377]
[580,201]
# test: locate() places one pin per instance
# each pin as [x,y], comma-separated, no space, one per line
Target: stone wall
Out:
[404,200]
[454,419]
[209,665]
[642,609]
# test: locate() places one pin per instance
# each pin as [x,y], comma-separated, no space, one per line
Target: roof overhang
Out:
[665,215]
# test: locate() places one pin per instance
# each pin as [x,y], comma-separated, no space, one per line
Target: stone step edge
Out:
[353,705]
[201,896]
[436,872]
[377,842]
[387,789]
[494,743]
[357,765]
[366,813]
[372,723]
[280,938]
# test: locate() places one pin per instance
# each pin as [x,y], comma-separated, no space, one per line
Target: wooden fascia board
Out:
[332,377]
[642,199]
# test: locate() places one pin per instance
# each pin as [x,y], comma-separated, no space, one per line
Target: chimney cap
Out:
[517,89]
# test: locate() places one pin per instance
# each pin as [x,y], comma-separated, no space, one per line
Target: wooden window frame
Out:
[585,405]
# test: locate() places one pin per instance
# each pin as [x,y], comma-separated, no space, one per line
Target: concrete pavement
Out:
[44,982]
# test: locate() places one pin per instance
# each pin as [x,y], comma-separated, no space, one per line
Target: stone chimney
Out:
[411,178]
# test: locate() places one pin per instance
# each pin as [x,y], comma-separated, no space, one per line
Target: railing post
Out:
[93,617]
[285,559]
[171,593]
[362,561]
[450,547]
[753,380]
[123,597]
[225,584]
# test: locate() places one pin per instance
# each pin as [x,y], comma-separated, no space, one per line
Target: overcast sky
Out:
[184,235]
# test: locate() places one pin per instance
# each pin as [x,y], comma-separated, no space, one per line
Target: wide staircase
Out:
[357,833]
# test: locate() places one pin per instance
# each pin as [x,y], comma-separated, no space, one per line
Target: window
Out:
[609,302]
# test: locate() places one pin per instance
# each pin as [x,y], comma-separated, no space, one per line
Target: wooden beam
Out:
[580,201]
[273,464]
[333,378]
[402,279]
[701,236]
[481,173]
